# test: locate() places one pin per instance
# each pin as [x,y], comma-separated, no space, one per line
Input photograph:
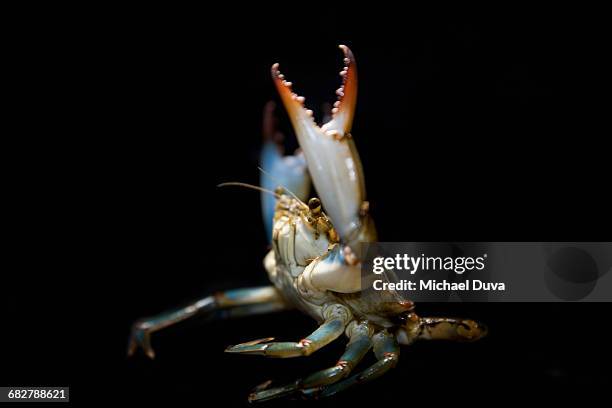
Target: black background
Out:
[478,126]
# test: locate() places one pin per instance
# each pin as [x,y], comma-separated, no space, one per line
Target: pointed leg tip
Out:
[261,387]
[133,346]
[258,341]
[247,349]
[254,398]
[263,393]
[140,338]
[255,395]
[243,347]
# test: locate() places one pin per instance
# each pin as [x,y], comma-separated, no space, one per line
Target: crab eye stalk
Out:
[331,156]
[315,205]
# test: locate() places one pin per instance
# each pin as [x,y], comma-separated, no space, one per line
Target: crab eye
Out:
[315,205]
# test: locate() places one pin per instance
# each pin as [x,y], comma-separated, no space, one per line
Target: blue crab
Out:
[315,261]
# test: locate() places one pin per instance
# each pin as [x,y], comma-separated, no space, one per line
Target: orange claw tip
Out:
[344,107]
[278,77]
[348,54]
[276,74]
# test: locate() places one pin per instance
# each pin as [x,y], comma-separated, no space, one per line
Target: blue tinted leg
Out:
[231,303]
[386,350]
[336,319]
[358,346]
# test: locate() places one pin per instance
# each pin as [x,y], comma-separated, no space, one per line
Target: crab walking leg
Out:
[246,301]
[444,328]
[336,318]
[247,310]
[387,352]
[440,328]
[360,342]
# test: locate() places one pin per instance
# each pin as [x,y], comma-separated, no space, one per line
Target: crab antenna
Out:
[251,186]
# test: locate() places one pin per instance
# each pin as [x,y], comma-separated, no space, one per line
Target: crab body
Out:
[305,245]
